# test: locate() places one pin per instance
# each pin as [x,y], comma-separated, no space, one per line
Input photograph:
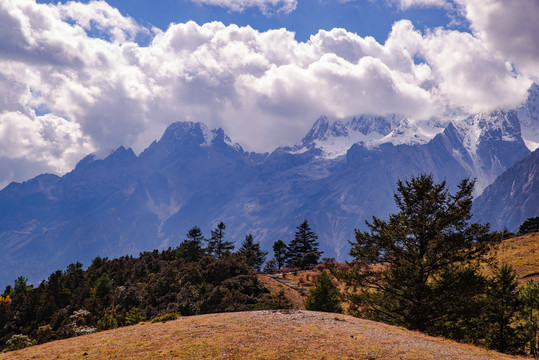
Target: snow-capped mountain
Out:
[333,139]
[342,173]
[528,114]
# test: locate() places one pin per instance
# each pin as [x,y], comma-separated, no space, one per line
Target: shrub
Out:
[325,296]
[166,317]
[107,322]
[17,342]
[44,334]
[133,317]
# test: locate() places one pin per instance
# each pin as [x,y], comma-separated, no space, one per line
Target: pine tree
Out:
[280,253]
[529,297]
[217,246]
[325,296]
[402,265]
[103,286]
[503,307]
[529,226]
[303,250]
[191,248]
[252,252]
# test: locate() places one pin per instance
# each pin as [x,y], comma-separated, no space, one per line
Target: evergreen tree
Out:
[529,297]
[325,296]
[303,250]
[503,307]
[529,226]
[403,265]
[191,248]
[21,286]
[252,252]
[103,286]
[217,246]
[280,253]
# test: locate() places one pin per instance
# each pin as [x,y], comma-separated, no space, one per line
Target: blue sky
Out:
[86,77]
[366,18]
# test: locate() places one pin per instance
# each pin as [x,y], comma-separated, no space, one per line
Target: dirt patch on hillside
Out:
[282,334]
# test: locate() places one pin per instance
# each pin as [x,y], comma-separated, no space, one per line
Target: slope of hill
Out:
[522,253]
[281,334]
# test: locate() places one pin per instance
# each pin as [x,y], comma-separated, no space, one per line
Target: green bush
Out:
[166,317]
[17,342]
[324,296]
[107,322]
[44,334]
[133,317]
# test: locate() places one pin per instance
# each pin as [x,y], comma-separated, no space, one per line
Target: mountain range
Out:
[340,174]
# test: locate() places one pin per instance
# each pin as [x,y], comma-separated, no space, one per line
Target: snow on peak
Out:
[528,114]
[411,132]
[334,138]
[501,124]
[207,134]
[187,132]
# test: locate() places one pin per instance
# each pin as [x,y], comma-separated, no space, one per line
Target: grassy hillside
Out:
[523,254]
[270,334]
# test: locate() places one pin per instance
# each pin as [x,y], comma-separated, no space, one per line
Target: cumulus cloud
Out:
[267,6]
[65,93]
[509,27]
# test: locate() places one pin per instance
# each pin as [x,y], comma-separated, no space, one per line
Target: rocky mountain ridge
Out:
[126,203]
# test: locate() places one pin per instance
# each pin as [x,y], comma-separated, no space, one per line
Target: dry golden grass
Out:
[522,253]
[295,298]
[258,335]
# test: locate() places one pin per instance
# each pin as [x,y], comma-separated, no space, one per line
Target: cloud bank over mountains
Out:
[74,80]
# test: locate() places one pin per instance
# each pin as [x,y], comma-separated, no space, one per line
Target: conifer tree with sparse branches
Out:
[414,268]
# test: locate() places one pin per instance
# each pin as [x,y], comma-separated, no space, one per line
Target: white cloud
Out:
[267,6]
[509,27]
[264,88]
[406,4]
[102,17]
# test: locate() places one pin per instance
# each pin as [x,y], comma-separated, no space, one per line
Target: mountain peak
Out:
[187,132]
[318,131]
[335,138]
[528,114]
[187,137]
[87,160]
[498,125]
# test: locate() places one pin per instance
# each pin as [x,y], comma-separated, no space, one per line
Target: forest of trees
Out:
[426,268]
[199,276]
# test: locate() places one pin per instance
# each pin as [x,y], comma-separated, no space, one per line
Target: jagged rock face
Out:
[340,175]
[513,197]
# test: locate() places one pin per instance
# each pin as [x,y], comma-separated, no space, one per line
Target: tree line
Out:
[199,276]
